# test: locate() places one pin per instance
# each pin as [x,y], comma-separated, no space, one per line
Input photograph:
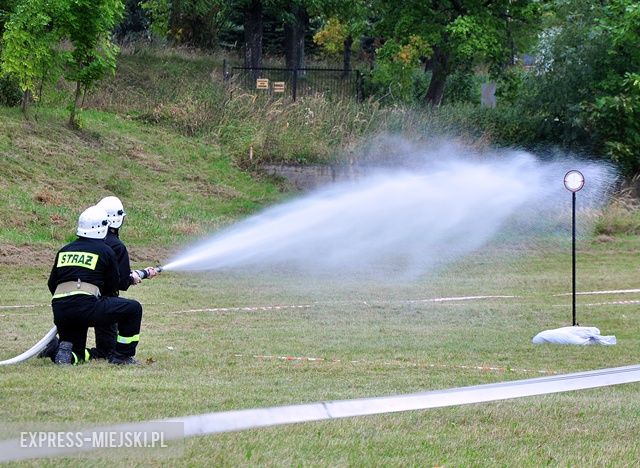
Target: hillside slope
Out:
[174,188]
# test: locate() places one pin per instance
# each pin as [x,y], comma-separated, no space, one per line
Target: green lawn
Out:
[174,144]
[376,338]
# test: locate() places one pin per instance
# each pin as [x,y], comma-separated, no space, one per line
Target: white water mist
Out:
[409,219]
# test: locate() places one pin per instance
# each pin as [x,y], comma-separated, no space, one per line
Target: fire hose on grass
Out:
[40,345]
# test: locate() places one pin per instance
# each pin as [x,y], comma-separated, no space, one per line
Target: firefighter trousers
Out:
[73,315]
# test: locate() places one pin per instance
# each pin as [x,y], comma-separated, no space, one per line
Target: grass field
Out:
[376,338]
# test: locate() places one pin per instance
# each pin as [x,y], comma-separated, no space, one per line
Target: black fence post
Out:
[294,87]
[225,71]
[359,87]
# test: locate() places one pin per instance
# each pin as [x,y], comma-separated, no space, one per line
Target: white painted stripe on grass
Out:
[434,299]
[229,421]
[244,309]
[593,304]
[611,303]
[307,306]
[461,298]
[587,293]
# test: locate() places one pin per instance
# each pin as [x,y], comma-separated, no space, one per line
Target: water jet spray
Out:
[409,219]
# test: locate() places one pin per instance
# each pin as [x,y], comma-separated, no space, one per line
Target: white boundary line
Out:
[601,303]
[586,293]
[308,306]
[245,309]
[238,420]
[408,301]
[458,298]
[611,303]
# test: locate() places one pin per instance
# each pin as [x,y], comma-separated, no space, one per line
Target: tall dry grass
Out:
[185,90]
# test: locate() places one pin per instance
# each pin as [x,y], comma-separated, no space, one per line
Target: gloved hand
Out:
[151,272]
[135,277]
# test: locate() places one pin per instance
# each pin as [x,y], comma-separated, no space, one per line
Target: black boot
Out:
[120,359]
[64,355]
[50,350]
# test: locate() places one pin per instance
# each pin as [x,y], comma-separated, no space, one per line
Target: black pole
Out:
[573,253]
[295,83]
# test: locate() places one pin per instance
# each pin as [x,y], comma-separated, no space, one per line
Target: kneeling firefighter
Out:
[83,281]
[106,336]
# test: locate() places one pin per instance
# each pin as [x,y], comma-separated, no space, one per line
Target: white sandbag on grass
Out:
[574,335]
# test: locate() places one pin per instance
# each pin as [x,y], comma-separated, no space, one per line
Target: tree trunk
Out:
[346,55]
[294,31]
[24,104]
[439,72]
[253,29]
[76,100]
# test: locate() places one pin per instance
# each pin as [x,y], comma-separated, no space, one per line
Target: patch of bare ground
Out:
[33,255]
[42,255]
[604,238]
[137,153]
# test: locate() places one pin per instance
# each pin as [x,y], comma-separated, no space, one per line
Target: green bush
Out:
[10,94]
[397,78]
[514,84]
[463,86]
[586,85]
[509,124]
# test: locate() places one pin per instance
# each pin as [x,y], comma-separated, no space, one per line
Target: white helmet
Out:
[93,223]
[115,210]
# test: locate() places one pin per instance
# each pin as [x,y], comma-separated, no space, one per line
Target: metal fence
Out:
[332,83]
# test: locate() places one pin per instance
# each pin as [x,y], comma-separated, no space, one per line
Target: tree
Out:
[614,110]
[135,23]
[159,14]
[459,32]
[87,24]
[296,24]
[252,12]
[6,8]
[35,31]
[193,22]
[587,85]
[343,22]
[29,41]
[295,18]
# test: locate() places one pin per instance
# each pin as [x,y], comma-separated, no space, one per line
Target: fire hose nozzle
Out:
[144,274]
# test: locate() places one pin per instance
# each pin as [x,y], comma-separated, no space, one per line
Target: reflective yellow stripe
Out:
[127,340]
[75,358]
[72,293]
[81,259]
[87,356]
